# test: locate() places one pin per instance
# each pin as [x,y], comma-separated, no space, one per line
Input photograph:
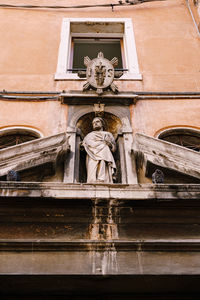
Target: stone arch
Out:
[75,114]
[116,115]
[112,124]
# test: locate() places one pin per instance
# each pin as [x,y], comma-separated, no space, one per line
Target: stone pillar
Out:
[69,166]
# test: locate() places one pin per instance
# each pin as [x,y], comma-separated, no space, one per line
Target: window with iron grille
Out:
[188,138]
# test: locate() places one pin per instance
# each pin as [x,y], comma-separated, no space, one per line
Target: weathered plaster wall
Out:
[194,6]
[157,232]
[152,116]
[167,45]
[155,228]
[49,117]
[166,40]
[147,116]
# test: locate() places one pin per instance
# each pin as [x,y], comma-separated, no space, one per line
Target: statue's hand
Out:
[108,144]
[81,146]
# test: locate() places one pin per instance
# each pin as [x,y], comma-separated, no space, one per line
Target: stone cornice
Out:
[99,191]
[74,97]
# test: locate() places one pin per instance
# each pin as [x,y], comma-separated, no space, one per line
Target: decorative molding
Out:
[79,192]
[21,129]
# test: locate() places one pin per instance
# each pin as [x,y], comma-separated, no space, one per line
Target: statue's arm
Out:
[110,142]
[113,144]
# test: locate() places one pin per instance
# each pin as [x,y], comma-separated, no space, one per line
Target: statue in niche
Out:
[99,145]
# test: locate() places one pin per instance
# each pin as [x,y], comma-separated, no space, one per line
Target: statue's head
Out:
[98,123]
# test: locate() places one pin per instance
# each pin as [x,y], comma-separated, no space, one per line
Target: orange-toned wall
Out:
[49,117]
[153,116]
[148,116]
[168,47]
[166,39]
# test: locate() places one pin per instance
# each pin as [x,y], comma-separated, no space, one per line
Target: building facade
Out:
[136,65]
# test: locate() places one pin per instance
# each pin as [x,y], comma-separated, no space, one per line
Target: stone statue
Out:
[99,145]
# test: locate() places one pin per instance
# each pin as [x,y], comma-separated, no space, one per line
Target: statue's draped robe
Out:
[100,163]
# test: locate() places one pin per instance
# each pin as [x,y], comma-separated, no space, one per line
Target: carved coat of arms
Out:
[100,74]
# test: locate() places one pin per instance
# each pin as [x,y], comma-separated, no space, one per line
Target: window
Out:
[17,135]
[184,137]
[82,47]
[87,37]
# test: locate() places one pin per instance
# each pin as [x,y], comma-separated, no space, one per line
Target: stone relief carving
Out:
[99,145]
[100,74]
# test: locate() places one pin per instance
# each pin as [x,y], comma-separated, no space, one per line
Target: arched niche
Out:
[112,124]
[117,119]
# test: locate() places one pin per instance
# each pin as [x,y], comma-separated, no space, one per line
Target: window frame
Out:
[108,41]
[129,52]
[175,131]
[12,130]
